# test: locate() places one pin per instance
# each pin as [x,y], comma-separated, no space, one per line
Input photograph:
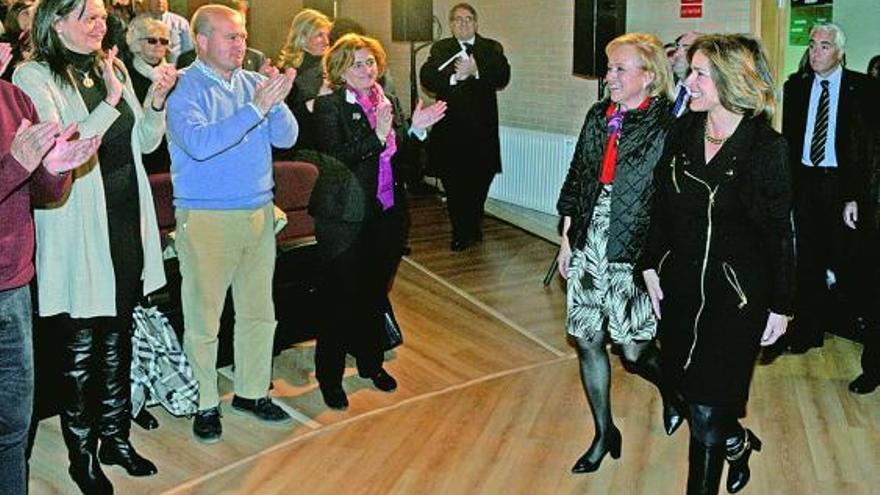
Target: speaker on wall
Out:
[412,20]
[323,6]
[596,22]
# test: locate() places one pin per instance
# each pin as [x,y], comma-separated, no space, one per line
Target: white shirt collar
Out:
[471,41]
[212,74]
[833,78]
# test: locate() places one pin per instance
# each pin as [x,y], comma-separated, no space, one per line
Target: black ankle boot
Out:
[738,450]
[612,446]
[119,451]
[705,463]
[648,367]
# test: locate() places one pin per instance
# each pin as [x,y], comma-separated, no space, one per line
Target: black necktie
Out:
[469,48]
[820,129]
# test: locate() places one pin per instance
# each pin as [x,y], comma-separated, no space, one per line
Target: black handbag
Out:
[393,337]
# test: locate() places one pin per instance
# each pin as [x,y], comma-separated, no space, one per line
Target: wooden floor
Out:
[490,403]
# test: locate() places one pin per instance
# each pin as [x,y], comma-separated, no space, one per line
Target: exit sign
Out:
[691,9]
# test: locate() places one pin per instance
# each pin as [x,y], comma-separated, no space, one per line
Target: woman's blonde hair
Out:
[740,72]
[303,27]
[340,57]
[652,58]
[142,27]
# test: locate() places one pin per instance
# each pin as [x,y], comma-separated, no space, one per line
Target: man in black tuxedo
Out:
[827,126]
[466,71]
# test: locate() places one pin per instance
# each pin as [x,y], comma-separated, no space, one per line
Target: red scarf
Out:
[614,121]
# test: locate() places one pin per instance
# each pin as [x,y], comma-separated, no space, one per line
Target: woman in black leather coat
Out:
[721,232]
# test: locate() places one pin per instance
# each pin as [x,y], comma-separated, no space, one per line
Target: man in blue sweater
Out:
[222,124]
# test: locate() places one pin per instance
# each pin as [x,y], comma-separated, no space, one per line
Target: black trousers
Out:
[871,337]
[354,292]
[823,242]
[466,184]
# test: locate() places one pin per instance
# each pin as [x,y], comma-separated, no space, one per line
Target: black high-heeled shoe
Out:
[673,415]
[738,474]
[612,447]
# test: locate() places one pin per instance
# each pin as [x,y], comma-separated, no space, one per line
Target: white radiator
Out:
[534,165]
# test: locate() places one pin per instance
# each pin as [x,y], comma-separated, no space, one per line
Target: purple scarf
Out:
[368,102]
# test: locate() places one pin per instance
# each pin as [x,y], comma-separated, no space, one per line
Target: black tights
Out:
[640,357]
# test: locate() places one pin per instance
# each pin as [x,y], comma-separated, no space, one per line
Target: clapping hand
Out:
[267,69]
[384,117]
[465,67]
[111,81]
[273,90]
[166,79]
[424,117]
[66,155]
[32,142]
[5,56]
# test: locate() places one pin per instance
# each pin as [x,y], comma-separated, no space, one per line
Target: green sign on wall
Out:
[804,14]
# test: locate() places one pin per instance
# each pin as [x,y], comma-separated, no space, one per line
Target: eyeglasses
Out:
[156,41]
[360,64]
[463,20]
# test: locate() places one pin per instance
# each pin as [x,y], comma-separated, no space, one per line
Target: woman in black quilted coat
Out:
[721,232]
[604,206]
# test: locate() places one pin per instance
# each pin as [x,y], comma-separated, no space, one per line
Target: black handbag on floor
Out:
[393,337]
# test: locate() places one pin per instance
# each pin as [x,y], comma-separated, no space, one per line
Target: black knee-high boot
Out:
[648,366]
[596,378]
[115,424]
[710,426]
[705,463]
[739,447]
[79,426]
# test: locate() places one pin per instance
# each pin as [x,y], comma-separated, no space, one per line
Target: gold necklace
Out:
[712,139]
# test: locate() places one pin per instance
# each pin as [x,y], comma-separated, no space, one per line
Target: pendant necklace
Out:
[86,79]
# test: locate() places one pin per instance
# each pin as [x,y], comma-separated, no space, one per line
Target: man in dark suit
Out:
[680,69]
[466,71]
[869,379]
[827,128]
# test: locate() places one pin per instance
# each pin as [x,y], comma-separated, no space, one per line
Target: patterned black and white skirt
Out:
[600,292]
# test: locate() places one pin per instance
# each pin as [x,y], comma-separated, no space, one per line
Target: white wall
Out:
[662,17]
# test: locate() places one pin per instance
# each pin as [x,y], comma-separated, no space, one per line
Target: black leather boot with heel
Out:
[78,424]
[648,367]
[116,448]
[738,449]
[705,463]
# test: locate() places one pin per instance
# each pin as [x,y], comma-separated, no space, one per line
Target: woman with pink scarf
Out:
[359,213]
